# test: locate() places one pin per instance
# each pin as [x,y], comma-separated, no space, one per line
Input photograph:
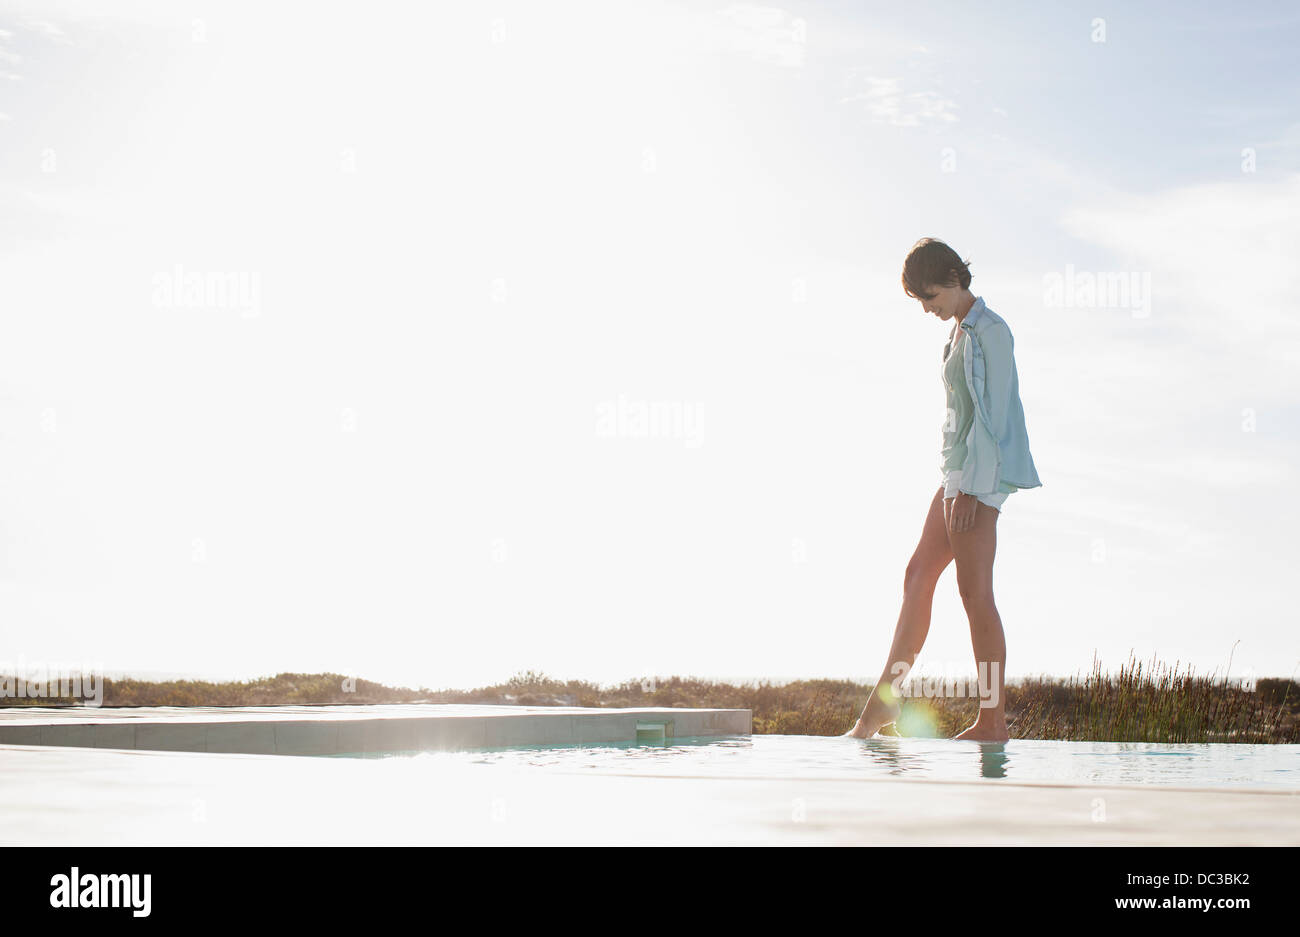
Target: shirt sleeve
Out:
[992,370]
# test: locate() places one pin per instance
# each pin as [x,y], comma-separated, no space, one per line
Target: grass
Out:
[1140,703]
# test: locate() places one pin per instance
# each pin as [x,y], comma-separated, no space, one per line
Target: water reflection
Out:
[901,757]
[994,759]
[889,755]
[1219,764]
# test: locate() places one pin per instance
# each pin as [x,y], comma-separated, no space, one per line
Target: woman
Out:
[985,458]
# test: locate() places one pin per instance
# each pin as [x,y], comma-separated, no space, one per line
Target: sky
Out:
[435,344]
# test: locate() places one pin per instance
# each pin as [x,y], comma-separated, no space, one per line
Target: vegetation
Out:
[286,689]
[1138,704]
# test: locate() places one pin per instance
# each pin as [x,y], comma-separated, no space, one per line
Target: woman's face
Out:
[941,301]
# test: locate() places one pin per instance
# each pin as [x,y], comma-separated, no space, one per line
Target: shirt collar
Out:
[973,315]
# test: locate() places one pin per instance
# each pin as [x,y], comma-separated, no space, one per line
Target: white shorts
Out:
[952,480]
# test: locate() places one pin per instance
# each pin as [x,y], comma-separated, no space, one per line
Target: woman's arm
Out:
[991,370]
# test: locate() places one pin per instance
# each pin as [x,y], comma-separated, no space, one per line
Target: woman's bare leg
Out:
[932,555]
[973,549]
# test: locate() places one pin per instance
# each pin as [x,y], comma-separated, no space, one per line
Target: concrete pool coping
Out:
[89,796]
[356,729]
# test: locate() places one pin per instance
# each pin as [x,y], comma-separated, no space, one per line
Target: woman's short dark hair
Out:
[933,263]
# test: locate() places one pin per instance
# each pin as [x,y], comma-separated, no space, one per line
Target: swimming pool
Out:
[1216,765]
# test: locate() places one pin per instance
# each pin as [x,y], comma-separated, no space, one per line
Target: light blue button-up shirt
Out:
[997,448]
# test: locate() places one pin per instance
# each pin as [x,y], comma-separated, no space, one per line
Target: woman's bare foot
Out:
[857,732]
[880,722]
[986,730]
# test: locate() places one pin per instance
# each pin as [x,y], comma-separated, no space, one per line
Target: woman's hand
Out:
[961,512]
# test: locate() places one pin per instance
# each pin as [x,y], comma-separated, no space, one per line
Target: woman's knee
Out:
[975,595]
[922,575]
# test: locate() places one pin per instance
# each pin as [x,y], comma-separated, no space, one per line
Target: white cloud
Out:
[1237,239]
[1221,257]
[885,100]
[768,34]
[47,29]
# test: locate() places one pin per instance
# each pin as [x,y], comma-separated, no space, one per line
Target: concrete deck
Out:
[85,797]
[338,730]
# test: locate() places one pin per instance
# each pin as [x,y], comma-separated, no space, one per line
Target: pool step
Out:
[654,731]
[342,730]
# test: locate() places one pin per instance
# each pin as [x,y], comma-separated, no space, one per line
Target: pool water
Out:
[796,756]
